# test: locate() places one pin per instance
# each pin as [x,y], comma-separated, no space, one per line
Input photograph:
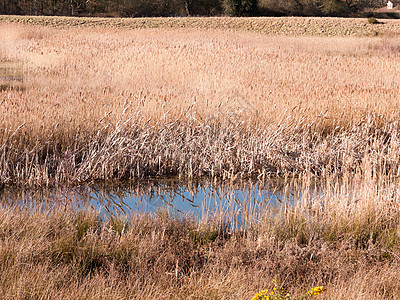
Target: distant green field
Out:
[293,26]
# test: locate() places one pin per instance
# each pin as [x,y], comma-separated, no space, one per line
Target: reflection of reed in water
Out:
[44,198]
[239,200]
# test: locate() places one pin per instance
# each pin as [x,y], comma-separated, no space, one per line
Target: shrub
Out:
[278,293]
[372,20]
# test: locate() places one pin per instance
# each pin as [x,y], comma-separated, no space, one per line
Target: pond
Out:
[11,75]
[237,201]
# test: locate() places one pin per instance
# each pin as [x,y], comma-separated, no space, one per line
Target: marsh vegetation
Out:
[108,104]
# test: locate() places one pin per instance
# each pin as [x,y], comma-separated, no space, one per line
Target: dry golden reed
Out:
[102,103]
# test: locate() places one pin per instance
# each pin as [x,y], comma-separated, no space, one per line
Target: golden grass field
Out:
[86,99]
[110,103]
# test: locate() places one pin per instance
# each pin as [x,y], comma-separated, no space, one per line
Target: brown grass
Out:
[102,103]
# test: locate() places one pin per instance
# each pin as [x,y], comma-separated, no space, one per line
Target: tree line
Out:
[151,8]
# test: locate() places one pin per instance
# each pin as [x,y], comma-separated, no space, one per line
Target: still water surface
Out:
[179,197]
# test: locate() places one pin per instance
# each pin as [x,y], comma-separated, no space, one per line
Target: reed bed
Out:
[109,104]
[101,104]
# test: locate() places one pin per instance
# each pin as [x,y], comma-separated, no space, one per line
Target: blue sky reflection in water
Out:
[237,201]
[193,199]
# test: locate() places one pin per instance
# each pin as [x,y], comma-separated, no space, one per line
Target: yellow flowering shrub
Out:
[315,291]
[278,293]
